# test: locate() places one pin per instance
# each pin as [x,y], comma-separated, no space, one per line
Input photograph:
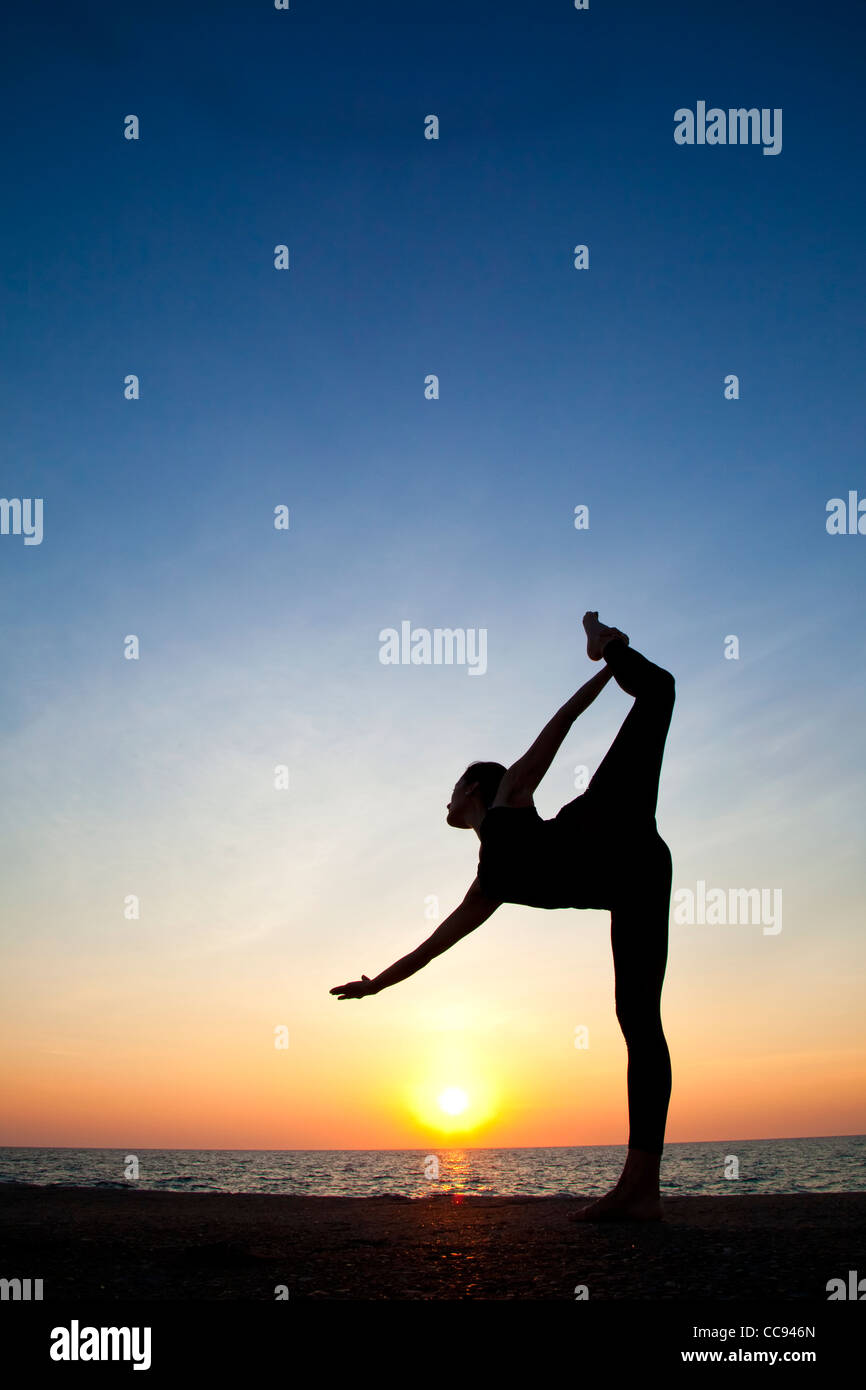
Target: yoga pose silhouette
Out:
[602,850]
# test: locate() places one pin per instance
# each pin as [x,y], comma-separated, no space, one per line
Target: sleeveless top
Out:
[573,860]
[542,863]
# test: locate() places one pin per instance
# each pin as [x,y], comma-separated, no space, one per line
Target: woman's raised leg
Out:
[626,784]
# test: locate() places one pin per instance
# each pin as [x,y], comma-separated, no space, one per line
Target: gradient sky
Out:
[260,647]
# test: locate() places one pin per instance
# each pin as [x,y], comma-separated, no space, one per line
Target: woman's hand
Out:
[356,989]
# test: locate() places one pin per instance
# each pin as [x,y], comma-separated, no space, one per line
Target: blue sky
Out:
[306,387]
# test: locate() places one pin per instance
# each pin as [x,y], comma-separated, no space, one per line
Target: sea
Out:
[711,1168]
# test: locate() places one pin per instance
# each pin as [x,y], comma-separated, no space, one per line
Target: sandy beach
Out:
[90,1243]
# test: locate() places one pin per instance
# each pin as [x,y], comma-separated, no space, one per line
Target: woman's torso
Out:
[569,861]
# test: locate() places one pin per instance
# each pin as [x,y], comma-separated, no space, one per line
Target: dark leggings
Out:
[620,806]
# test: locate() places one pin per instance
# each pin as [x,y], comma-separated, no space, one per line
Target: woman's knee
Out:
[664,684]
[657,687]
[639,1019]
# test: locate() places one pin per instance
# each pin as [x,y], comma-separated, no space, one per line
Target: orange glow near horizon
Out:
[150,1044]
[221,1099]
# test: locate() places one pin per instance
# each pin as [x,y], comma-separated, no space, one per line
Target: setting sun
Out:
[438,1105]
[453,1101]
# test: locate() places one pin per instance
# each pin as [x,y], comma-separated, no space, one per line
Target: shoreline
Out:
[131,1244]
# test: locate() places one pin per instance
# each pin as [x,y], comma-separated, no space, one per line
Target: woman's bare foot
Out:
[598,635]
[619,1206]
[635,1197]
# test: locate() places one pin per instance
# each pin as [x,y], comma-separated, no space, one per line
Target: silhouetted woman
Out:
[602,850]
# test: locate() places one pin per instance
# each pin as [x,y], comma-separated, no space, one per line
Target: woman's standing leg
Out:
[639,937]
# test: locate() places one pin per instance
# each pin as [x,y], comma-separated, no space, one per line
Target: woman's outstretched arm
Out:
[474,909]
[523,777]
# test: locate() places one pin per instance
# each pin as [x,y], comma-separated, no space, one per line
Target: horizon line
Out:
[478,1148]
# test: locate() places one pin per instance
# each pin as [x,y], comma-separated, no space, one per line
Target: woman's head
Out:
[477,787]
